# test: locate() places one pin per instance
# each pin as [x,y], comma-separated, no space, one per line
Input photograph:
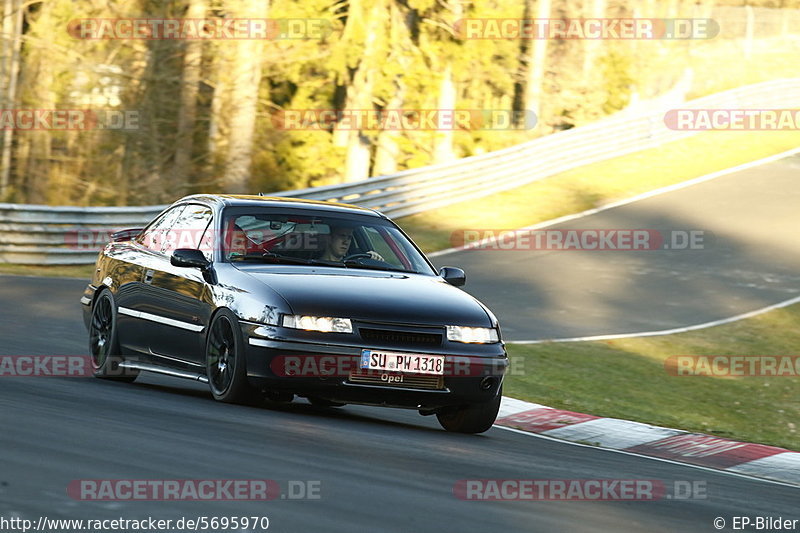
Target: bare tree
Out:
[37,87]
[534,85]
[245,75]
[193,54]
[591,46]
[443,140]
[364,25]
[387,150]
[9,70]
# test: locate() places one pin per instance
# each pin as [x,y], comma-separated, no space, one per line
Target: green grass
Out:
[626,378]
[721,66]
[60,271]
[593,185]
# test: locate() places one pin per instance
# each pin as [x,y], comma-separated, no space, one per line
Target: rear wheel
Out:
[103,341]
[474,418]
[226,367]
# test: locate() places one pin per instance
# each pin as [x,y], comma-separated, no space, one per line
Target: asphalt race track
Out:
[378,469]
[392,470]
[750,259]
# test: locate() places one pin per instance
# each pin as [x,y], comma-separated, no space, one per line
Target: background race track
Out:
[392,470]
[750,259]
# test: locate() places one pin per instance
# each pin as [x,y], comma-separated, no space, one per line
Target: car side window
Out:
[188,230]
[154,236]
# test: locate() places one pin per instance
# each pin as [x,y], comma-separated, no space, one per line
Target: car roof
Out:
[252,200]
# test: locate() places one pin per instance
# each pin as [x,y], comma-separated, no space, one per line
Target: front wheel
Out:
[103,341]
[474,418]
[226,367]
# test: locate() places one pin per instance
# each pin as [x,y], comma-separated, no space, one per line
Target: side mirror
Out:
[454,276]
[125,234]
[189,257]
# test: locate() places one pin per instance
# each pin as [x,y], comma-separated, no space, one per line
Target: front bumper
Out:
[332,372]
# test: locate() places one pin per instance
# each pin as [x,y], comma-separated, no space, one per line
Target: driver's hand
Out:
[375,255]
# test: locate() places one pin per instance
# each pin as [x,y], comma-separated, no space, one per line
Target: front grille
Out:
[400,338]
[410,381]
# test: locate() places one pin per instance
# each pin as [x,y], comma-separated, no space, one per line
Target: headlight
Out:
[318,323]
[476,335]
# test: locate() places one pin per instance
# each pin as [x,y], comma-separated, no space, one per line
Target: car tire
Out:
[226,365]
[474,418]
[103,341]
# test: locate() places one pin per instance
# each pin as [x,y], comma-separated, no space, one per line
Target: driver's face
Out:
[340,241]
[238,242]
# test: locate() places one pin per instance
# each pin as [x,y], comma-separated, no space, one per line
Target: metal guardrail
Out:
[36,234]
[40,234]
[418,190]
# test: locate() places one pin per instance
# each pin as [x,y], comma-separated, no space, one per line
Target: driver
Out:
[236,242]
[338,243]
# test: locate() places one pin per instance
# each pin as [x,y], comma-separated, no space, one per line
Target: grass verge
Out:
[58,271]
[600,183]
[626,378]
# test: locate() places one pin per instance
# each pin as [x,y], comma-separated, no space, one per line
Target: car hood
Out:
[372,295]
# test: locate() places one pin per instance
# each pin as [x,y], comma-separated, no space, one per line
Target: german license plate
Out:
[402,362]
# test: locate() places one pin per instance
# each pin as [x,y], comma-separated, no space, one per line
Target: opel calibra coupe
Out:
[276,297]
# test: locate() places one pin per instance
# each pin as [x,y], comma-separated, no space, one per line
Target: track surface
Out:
[751,260]
[392,470]
[379,469]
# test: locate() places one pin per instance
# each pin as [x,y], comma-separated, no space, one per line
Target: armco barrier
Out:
[35,234]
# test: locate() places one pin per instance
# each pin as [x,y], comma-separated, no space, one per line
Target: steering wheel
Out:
[356,256]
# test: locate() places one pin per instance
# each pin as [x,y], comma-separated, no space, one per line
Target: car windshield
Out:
[307,238]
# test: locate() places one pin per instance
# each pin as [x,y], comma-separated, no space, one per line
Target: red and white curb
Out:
[758,460]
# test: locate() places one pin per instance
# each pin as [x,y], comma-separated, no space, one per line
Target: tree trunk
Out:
[443,138]
[37,85]
[591,46]
[387,150]
[9,69]
[537,58]
[245,80]
[360,93]
[187,114]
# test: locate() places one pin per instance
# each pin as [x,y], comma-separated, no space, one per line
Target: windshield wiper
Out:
[354,263]
[272,257]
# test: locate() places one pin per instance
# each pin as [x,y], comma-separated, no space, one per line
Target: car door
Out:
[181,293]
[135,311]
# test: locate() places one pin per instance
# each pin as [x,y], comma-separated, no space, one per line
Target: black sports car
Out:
[278,297]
